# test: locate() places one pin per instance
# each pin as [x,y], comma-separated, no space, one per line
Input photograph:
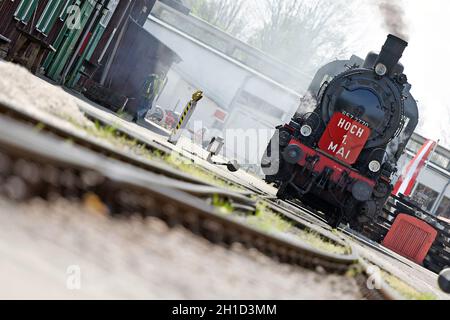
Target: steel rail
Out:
[89,112]
[169,195]
[102,147]
[38,164]
[373,287]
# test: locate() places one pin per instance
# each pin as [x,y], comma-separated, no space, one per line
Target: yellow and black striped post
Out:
[185,116]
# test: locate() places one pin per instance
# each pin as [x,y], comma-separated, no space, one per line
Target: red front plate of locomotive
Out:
[326,162]
[344,138]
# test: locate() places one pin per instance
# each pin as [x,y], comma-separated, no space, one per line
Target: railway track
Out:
[36,164]
[80,137]
[312,220]
[397,275]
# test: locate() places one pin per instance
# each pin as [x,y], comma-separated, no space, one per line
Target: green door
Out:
[97,32]
[76,17]
[86,55]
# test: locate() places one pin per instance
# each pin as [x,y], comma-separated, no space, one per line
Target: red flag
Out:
[407,181]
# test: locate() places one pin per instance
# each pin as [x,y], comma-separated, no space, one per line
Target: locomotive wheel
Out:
[282,191]
[368,210]
[382,189]
[334,219]
[357,224]
[374,232]
[363,214]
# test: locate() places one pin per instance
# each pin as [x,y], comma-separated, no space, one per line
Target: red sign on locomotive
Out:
[344,138]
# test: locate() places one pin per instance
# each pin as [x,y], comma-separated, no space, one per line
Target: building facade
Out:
[245,90]
[432,191]
[97,47]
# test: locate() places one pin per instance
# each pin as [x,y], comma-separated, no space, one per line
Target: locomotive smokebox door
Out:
[344,138]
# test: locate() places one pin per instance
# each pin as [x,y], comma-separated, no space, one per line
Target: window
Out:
[199,32]
[444,208]
[112,5]
[254,102]
[425,197]
[413,146]
[440,160]
[240,55]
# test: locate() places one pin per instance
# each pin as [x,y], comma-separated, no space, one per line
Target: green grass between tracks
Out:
[271,222]
[404,289]
[263,219]
[112,135]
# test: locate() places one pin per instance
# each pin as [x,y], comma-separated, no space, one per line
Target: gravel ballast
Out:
[44,245]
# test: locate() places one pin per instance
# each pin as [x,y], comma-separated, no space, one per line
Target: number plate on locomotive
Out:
[344,138]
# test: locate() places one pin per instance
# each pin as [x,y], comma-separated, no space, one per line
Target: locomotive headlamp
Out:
[380,69]
[374,166]
[306,130]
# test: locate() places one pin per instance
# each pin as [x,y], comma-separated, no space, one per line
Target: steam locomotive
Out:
[339,152]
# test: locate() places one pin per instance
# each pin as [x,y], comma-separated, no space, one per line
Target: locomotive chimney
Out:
[390,55]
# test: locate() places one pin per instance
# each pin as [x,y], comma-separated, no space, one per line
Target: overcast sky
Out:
[426,60]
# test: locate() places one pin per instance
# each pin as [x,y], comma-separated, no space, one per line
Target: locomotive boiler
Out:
[339,152]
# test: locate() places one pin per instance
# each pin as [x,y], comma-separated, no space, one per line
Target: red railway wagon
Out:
[412,232]
[410,237]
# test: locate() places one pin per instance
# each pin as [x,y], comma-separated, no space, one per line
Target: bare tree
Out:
[227,15]
[304,33]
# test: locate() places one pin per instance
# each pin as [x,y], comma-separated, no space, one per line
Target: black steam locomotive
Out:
[341,155]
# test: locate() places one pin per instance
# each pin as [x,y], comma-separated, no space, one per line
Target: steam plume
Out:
[394,17]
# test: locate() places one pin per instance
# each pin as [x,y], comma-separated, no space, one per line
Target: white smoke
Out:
[307,104]
[394,17]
